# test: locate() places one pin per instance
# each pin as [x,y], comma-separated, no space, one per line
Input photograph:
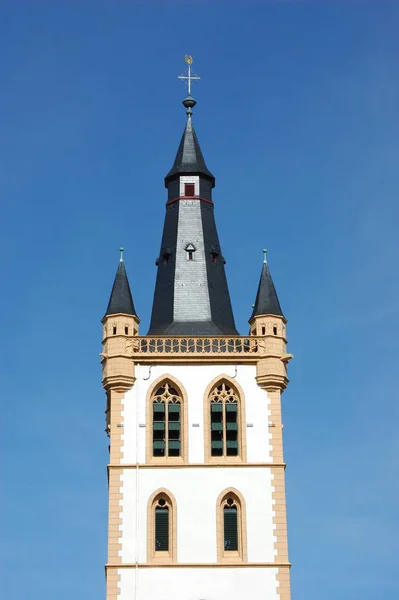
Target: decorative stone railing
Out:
[229,348]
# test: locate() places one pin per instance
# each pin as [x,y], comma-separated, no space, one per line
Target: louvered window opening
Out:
[230,524]
[161,526]
[166,436]
[224,421]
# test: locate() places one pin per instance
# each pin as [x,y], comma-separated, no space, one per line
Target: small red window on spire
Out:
[189,189]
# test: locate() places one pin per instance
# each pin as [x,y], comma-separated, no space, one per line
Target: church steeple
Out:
[181,397]
[191,294]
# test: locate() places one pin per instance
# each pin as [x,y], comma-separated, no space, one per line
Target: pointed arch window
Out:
[161,538]
[224,421]
[161,541]
[166,421]
[231,525]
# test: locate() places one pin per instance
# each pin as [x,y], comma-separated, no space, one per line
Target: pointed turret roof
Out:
[266,302]
[189,158]
[121,300]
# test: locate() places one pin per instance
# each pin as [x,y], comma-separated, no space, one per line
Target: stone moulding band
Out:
[229,565]
[189,198]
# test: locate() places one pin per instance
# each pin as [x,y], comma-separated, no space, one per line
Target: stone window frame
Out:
[164,460]
[228,556]
[156,556]
[242,441]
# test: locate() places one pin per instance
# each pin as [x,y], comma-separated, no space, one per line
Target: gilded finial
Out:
[264,256]
[121,251]
[189,78]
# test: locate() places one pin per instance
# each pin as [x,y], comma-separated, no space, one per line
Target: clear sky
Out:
[297,116]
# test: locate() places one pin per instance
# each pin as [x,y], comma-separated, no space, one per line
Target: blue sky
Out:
[298,118]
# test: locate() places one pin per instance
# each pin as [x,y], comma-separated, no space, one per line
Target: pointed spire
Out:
[191,293]
[189,159]
[121,300]
[266,302]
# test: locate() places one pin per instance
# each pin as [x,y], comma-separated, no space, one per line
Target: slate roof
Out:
[189,158]
[267,302]
[191,293]
[121,300]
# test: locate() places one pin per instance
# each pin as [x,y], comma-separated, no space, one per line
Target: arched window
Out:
[224,416]
[224,421]
[161,541]
[166,422]
[161,538]
[231,525]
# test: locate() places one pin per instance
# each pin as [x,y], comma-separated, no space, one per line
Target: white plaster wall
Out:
[195,379]
[189,179]
[198,584]
[196,491]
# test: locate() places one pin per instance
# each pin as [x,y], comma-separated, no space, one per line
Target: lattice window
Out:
[224,408]
[166,421]
[230,525]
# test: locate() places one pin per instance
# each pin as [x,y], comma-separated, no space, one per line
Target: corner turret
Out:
[267,320]
[120,324]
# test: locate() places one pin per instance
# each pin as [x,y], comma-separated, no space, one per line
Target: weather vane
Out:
[189,77]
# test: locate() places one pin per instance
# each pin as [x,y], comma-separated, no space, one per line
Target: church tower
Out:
[196,470]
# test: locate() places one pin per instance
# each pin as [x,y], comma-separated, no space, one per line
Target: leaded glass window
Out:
[224,409]
[166,422]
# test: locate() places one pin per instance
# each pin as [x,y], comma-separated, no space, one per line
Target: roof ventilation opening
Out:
[190,249]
